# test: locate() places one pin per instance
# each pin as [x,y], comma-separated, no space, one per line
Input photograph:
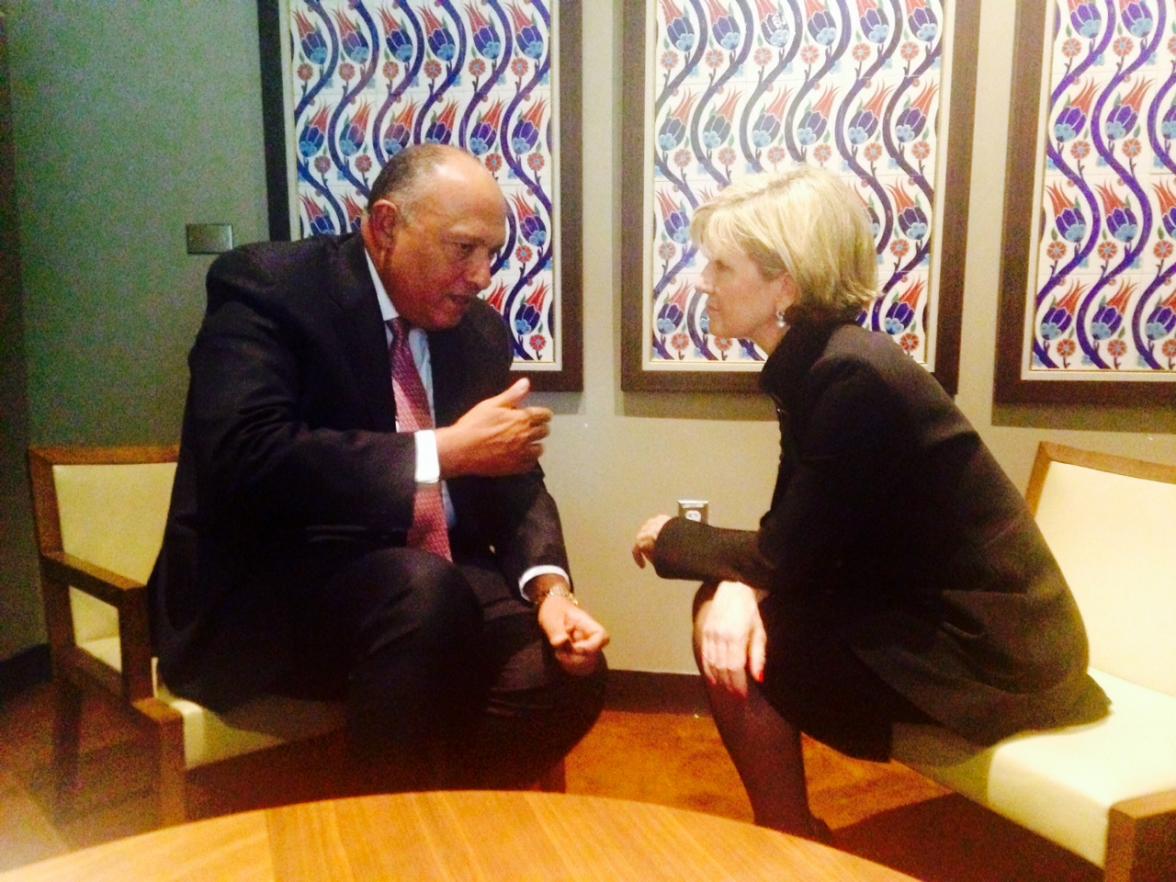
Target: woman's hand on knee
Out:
[734,642]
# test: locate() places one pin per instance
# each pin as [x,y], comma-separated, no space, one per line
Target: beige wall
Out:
[615,458]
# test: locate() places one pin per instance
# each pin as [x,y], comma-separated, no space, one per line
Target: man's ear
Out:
[384,217]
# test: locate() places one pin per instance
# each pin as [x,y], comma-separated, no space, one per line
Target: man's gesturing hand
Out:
[497,436]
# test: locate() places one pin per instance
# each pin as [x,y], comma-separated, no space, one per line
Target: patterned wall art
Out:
[880,91]
[349,83]
[1089,271]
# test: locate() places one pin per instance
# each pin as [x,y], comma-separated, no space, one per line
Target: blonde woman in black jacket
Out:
[897,575]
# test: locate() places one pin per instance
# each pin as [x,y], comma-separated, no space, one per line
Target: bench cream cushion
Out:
[1114,536]
[1061,783]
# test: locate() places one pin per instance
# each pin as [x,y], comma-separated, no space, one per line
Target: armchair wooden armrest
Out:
[98,582]
[61,571]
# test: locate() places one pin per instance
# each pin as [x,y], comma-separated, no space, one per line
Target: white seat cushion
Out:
[254,725]
[1060,783]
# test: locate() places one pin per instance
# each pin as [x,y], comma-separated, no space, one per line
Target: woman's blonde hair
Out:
[806,222]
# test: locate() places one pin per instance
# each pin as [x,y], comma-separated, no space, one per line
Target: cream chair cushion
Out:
[1062,782]
[113,516]
[263,722]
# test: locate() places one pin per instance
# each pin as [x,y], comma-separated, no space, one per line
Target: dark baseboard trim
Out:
[651,692]
[23,670]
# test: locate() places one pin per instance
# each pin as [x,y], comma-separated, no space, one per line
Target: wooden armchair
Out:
[99,516]
[1106,791]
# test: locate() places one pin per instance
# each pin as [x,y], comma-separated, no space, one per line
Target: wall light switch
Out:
[209,238]
[697,510]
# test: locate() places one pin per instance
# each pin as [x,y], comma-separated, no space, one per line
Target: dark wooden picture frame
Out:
[951,228]
[570,376]
[1021,212]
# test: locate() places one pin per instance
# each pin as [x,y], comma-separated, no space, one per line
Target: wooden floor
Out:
[882,812]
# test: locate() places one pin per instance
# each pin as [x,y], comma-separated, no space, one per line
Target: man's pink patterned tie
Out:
[429,530]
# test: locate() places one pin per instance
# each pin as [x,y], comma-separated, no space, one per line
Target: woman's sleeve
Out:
[833,486]
[690,550]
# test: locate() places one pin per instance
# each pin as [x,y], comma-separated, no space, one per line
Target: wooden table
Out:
[460,836]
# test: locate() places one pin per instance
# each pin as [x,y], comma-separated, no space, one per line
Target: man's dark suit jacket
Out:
[892,522]
[289,452]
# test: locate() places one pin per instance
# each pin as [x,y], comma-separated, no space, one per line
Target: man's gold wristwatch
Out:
[559,590]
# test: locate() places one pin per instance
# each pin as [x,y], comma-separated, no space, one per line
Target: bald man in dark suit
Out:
[293,560]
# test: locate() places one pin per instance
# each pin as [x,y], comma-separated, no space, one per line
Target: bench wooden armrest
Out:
[1141,839]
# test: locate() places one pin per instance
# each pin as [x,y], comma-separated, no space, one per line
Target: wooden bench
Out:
[1106,791]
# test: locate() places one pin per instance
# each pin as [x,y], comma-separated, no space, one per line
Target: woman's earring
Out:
[781,321]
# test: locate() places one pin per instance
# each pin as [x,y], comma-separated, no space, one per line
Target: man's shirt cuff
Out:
[541,570]
[428,466]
